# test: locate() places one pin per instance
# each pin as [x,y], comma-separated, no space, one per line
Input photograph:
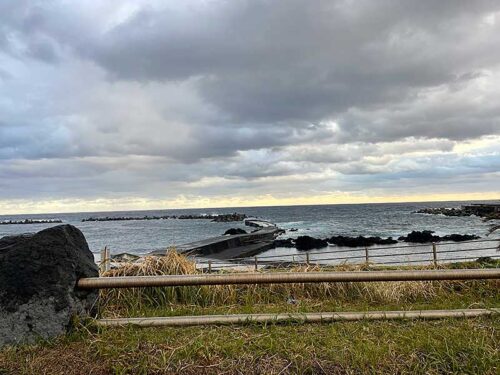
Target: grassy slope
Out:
[430,347]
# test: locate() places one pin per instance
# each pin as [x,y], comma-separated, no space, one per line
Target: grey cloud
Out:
[262,96]
[284,61]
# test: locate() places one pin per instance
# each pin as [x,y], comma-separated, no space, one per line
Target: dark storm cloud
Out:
[272,61]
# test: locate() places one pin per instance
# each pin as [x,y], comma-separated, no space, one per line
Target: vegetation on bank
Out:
[432,347]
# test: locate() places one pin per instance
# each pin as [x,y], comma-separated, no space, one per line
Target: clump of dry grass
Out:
[172,263]
[136,298]
[117,301]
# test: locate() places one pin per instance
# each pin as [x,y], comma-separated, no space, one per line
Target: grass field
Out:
[460,346]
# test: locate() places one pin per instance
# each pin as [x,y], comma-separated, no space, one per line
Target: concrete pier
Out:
[228,247]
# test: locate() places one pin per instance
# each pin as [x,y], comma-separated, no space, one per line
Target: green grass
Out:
[407,347]
[453,346]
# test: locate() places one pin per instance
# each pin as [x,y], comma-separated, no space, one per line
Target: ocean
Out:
[141,237]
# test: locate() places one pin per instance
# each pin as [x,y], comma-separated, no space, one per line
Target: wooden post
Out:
[107,260]
[434,254]
[367,258]
[102,268]
[209,266]
[256,263]
[307,258]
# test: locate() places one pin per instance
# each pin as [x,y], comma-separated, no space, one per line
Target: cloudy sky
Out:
[158,104]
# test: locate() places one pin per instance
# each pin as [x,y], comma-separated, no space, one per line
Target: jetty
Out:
[232,246]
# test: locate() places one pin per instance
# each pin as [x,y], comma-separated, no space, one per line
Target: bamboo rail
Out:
[304,317]
[288,277]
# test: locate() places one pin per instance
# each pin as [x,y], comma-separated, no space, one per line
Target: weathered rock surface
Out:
[38,274]
[426,236]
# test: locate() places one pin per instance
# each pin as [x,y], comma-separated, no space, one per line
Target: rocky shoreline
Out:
[487,212]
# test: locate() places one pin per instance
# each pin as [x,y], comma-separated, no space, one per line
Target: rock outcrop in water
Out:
[443,211]
[284,243]
[308,243]
[427,236]
[360,241]
[234,231]
[38,274]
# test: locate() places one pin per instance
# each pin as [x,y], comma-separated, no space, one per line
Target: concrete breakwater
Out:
[31,221]
[222,218]
[233,246]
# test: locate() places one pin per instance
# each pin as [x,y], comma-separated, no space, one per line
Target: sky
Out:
[108,105]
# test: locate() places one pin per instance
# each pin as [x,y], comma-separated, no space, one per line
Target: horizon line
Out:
[251,206]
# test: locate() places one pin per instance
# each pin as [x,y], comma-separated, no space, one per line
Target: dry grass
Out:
[116,302]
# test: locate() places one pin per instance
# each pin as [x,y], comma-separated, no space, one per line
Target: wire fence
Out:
[434,253]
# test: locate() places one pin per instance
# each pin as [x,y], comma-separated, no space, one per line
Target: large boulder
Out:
[38,275]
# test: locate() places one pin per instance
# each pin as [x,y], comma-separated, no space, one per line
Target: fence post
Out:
[209,266]
[105,264]
[256,263]
[108,259]
[367,258]
[434,254]
[102,267]
[307,258]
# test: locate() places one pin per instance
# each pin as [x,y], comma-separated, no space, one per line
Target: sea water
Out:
[321,221]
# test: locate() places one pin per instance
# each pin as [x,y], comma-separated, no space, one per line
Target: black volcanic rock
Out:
[360,241]
[419,237]
[308,243]
[234,231]
[284,243]
[443,211]
[38,275]
[427,236]
[459,237]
